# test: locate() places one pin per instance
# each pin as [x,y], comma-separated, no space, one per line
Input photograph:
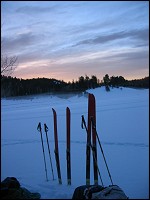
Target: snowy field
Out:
[122,125]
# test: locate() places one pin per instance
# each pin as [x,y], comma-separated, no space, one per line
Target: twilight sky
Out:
[67,39]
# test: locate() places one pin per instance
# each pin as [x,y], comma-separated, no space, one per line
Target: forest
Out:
[12,86]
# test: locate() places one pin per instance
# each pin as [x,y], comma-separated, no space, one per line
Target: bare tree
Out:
[8,64]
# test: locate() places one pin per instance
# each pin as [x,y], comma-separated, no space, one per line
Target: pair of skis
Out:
[68,157]
[91,129]
[91,146]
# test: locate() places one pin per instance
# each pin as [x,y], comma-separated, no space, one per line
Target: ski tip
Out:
[91,95]
[68,110]
[53,110]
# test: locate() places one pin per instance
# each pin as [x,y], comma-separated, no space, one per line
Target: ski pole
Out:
[84,123]
[94,127]
[46,130]
[40,130]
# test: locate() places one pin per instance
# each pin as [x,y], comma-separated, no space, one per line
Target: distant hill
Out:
[18,87]
[119,81]
[138,83]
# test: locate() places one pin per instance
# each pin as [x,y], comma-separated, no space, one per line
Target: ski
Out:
[68,146]
[91,114]
[92,118]
[56,151]
[88,153]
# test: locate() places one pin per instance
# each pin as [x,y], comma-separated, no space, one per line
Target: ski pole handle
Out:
[39,127]
[83,123]
[45,128]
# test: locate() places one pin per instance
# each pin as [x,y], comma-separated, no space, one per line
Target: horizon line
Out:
[13,76]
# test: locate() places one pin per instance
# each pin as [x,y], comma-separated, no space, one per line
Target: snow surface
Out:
[122,124]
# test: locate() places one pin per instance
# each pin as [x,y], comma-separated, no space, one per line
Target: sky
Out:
[67,39]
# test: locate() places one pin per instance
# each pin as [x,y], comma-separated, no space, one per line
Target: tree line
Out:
[119,81]
[12,86]
[17,87]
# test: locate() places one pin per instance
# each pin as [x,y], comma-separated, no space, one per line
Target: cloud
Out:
[141,35]
[134,55]
[35,9]
[57,37]
[19,42]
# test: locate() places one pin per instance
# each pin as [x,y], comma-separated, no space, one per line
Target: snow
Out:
[122,125]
